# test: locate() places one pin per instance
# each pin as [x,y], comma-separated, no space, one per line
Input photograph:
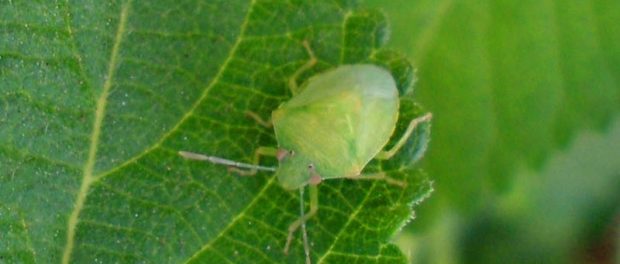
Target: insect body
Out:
[339,121]
[336,125]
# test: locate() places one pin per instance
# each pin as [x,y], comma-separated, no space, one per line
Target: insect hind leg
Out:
[379,176]
[387,154]
[292,82]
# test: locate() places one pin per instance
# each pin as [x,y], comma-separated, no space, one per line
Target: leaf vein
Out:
[198,102]
[87,177]
[351,217]
[74,48]
[233,221]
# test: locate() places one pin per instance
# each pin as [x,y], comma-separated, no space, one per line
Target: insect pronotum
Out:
[334,124]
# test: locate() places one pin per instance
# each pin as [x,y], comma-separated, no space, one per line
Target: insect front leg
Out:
[260,151]
[387,154]
[292,82]
[314,207]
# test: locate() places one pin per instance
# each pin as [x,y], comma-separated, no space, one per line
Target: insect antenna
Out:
[222,161]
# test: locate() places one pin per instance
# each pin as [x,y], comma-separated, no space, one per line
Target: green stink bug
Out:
[331,128]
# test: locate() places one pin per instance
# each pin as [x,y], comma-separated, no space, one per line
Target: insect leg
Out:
[259,120]
[387,154]
[251,171]
[314,207]
[292,82]
[304,233]
[379,176]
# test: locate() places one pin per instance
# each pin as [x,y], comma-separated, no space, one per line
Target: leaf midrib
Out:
[88,178]
[87,175]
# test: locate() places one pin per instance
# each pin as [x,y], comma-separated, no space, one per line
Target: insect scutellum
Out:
[334,124]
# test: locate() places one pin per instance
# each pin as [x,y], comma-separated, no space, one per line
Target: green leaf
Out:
[97,97]
[508,82]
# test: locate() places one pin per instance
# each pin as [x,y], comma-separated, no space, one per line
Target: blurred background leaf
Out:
[513,84]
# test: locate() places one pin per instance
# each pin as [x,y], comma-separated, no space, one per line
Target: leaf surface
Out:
[97,97]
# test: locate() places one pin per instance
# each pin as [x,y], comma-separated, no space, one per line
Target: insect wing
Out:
[341,120]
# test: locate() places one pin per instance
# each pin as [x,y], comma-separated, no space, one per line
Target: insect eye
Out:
[310,166]
[282,153]
[291,152]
